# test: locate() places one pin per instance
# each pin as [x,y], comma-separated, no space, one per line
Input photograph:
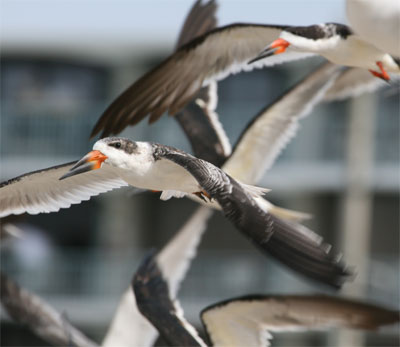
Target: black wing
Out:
[154,302]
[279,238]
[174,82]
[28,309]
[198,119]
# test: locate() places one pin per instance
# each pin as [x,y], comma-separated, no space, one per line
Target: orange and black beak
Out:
[91,161]
[276,47]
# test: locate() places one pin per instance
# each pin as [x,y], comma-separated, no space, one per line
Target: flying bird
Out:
[266,135]
[248,320]
[377,22]
[297,248]
[335,42]
[225,50]
[158,167]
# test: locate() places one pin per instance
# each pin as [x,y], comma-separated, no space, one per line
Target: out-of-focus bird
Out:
[30,310]
[377,22]
[158,167]
[335,42]
[226,50]
[248,320]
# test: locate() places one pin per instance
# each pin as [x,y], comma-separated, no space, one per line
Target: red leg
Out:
[383,74]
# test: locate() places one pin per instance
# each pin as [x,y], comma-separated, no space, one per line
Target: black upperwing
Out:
[281,239]
[32,311]
[172,84]
[154,302]
[198,118]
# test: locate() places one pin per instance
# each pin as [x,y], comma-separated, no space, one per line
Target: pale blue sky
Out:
[121,22]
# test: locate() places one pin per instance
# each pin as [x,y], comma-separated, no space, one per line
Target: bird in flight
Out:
[172,84]
[335,42]
[376,22]
[153,166]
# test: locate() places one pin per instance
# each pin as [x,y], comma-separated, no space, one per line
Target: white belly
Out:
[161,175]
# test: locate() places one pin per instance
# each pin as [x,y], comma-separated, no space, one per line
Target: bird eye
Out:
[116,144]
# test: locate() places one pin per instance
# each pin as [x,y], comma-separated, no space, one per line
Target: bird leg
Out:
[203,195]
[383,74]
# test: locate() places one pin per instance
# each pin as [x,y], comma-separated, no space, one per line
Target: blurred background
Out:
[63,62]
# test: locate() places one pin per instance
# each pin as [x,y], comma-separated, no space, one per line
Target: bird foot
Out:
[203,196]
[383,74]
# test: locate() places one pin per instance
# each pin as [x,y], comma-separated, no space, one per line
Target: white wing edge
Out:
[209,110]
[129,327]
[265,139]
[42,191]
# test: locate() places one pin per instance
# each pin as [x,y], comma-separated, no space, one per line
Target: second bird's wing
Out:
[174,82]
[129,327]
[353,82]
[199,119]
[273,127]
[295,248]
[249,320]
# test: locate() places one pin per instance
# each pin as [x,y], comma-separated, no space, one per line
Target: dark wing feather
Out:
[211,56]
[272,235]
[201,19]
[28,309]
[198,119]
[200,123]
[154,302]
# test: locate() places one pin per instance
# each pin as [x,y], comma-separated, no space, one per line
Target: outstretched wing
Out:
[353,82]
[129,327]
[200,19]
[248,321]
[155,303]
[42,192]
[198,119]
[273,127]
[28,309]
[173,83]
[299,250]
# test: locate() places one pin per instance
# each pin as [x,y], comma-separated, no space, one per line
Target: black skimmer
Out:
[226,50]
[377,22]
[113,163]
[248,320]
[158,167]
[335,42]
[297,248]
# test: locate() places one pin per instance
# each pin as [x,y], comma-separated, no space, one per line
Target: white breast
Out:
[161,175]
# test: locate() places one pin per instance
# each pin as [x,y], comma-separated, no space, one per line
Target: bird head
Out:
[115,151]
